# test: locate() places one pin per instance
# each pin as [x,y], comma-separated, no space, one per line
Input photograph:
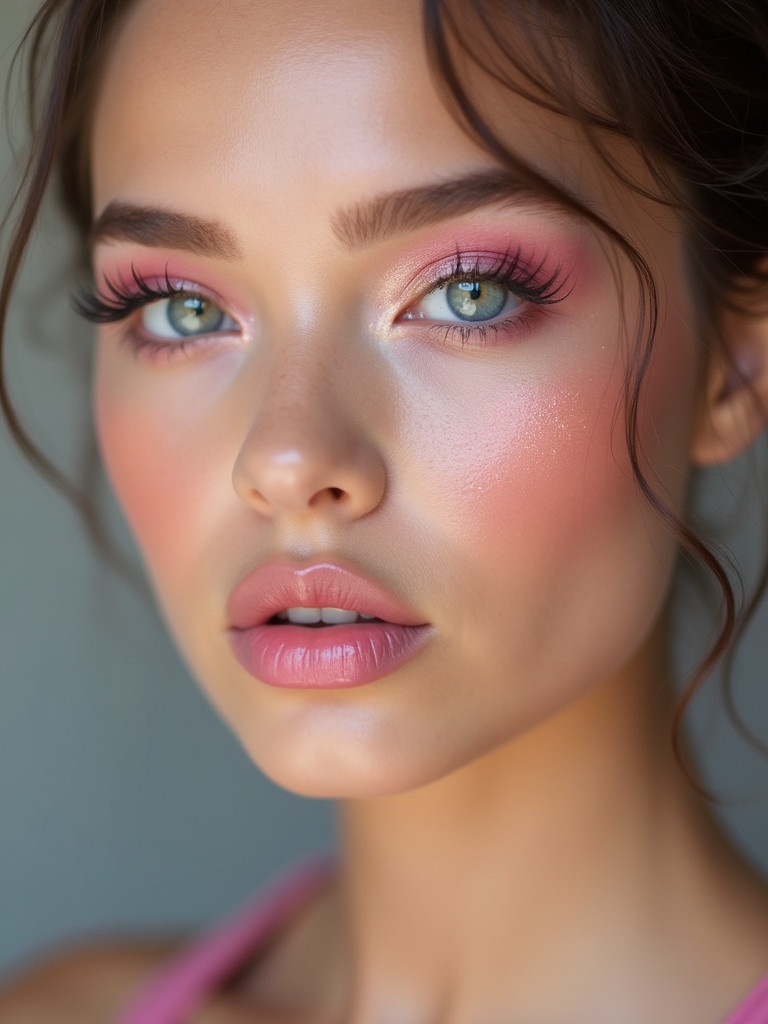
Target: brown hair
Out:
[688,86]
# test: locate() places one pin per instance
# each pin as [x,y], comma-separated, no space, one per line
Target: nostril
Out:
[330,496]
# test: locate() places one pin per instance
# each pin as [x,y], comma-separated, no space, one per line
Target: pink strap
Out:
[754,1009]
[184,983]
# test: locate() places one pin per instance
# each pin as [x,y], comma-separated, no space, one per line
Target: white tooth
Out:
[366,617]
[336,616]
[303,616]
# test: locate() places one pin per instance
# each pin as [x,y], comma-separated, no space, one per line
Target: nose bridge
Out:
[300,419]
[306,444]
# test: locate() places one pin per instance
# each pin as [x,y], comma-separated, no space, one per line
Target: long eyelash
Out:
[510,270]
[117,300]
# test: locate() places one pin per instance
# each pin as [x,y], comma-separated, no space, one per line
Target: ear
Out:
[734,402]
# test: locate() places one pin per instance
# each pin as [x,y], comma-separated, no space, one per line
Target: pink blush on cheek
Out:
[551,529]
[549,460]
[159,476]
[534,458]
[539,481]
[165,435]
[145,484]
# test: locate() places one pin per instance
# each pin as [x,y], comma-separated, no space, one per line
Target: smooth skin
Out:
[518,843]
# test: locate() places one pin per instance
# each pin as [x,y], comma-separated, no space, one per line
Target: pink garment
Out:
[183,985]
[185,982]
[754,1009]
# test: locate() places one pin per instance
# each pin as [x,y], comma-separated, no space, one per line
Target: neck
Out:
[576,853]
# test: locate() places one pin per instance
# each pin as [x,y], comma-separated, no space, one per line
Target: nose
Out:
[304,452]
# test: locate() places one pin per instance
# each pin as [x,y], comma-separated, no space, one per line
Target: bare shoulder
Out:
[84,985]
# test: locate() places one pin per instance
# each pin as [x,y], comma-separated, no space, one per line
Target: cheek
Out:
[536,469]
[148,491]
[518,458]
[536,494]
[158,450]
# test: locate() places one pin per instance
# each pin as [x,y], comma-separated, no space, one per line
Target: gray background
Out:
[123,800]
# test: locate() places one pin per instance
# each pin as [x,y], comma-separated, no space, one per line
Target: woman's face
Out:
[391,383]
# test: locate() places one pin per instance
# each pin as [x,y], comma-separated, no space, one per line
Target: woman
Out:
[414,326]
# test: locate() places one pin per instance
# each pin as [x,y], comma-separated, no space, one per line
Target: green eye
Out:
[186,316]
[476,300]
[467,301]
[192,314]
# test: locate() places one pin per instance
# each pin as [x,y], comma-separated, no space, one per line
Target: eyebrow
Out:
[374,220]
[157,226]
[356,227]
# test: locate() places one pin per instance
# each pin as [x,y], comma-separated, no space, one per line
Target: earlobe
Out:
[734,402]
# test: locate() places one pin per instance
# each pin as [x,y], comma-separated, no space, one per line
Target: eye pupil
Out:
[472,288]
[476,300]
[193,314]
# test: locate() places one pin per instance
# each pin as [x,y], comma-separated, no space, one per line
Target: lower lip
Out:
[328,658]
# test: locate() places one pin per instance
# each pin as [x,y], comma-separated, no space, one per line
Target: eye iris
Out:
[193,314]
[476,300]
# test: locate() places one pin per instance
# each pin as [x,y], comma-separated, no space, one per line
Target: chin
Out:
[357,757]
[312,759]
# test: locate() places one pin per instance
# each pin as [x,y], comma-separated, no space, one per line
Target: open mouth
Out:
[321,626]
[319,617]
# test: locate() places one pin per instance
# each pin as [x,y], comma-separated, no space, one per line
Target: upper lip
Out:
[275,586]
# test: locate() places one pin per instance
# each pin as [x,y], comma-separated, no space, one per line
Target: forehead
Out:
[285,84]
[269,102]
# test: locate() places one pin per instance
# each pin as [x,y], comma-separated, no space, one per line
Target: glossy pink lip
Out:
[329,657]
